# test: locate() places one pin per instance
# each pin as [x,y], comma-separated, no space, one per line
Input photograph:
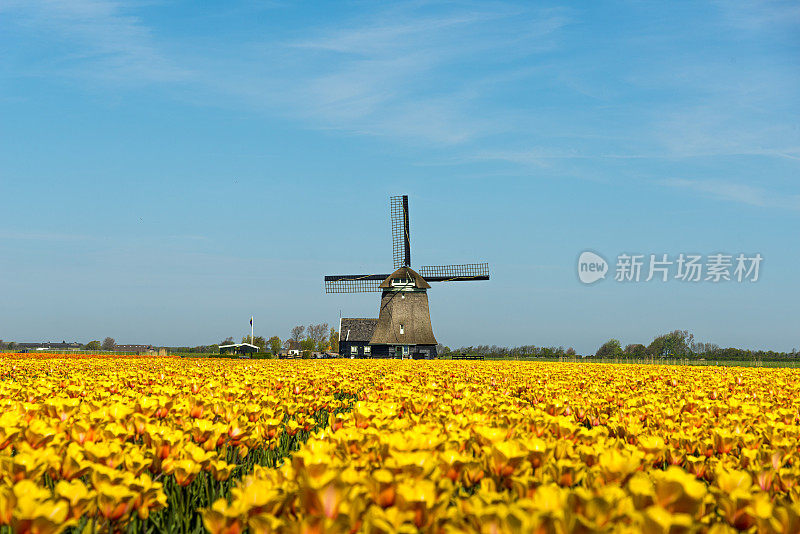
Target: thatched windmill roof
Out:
[405,273]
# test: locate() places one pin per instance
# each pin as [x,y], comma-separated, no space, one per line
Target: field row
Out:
[179,445]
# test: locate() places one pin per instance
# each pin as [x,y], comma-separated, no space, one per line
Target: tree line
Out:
[678,344]
[107,344]
[681,344]
[312,338]
[523,351]
[672,345]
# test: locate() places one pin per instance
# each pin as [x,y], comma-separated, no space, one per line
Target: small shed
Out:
[354,336]
[238,348]
[294,349]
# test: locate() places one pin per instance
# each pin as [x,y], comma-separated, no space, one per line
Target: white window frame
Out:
[405,350]
[402,330]
[367,350]
[353,349]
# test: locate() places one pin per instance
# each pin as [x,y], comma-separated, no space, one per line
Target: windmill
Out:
[403,327]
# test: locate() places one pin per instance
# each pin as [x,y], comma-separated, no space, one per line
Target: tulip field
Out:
[178,445]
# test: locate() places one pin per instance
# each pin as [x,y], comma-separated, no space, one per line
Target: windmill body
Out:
[403,328]
[404,318]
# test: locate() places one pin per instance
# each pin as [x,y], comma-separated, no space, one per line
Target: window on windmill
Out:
[402,282]
[353,349]
[367,350]
[402,330]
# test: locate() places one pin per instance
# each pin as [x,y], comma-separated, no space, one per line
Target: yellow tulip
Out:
[114,502]
[678,492]
[41,517]
[79,498]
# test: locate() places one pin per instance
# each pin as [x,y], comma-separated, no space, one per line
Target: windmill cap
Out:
[405,272]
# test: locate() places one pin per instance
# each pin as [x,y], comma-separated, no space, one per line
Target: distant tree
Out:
[610,349]
[308,344]
[319,334]
[636,350]
[109,343]
[274,345]
[683,343]
[570,352]
[93,345]
[442,350]
[705,349]
[333,340]
[548,352]
[676,344]
[227,341]
[658,347]
[258,341]
[297,333]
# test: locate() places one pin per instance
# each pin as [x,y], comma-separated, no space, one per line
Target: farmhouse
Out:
[47,345]
[355,335]
[292,348]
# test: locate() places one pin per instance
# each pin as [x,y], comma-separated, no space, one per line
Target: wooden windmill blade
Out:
[401,235]
[455,273]
[354,283]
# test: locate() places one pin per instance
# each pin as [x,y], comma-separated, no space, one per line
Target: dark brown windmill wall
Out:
[409,308]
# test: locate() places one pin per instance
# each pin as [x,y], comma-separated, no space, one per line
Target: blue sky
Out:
[169,169]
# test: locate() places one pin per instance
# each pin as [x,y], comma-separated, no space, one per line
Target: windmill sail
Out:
[455,273]
[354,283]
[401,235]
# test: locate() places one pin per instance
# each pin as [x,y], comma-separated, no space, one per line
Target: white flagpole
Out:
[251,329]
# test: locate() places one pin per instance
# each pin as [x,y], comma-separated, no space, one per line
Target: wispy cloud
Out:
[741,193]
[729,125]
[65,237]
[758,16]
[384,35]
[379,75]
[452,74]
[95,39]
[539,156]
[43,236]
